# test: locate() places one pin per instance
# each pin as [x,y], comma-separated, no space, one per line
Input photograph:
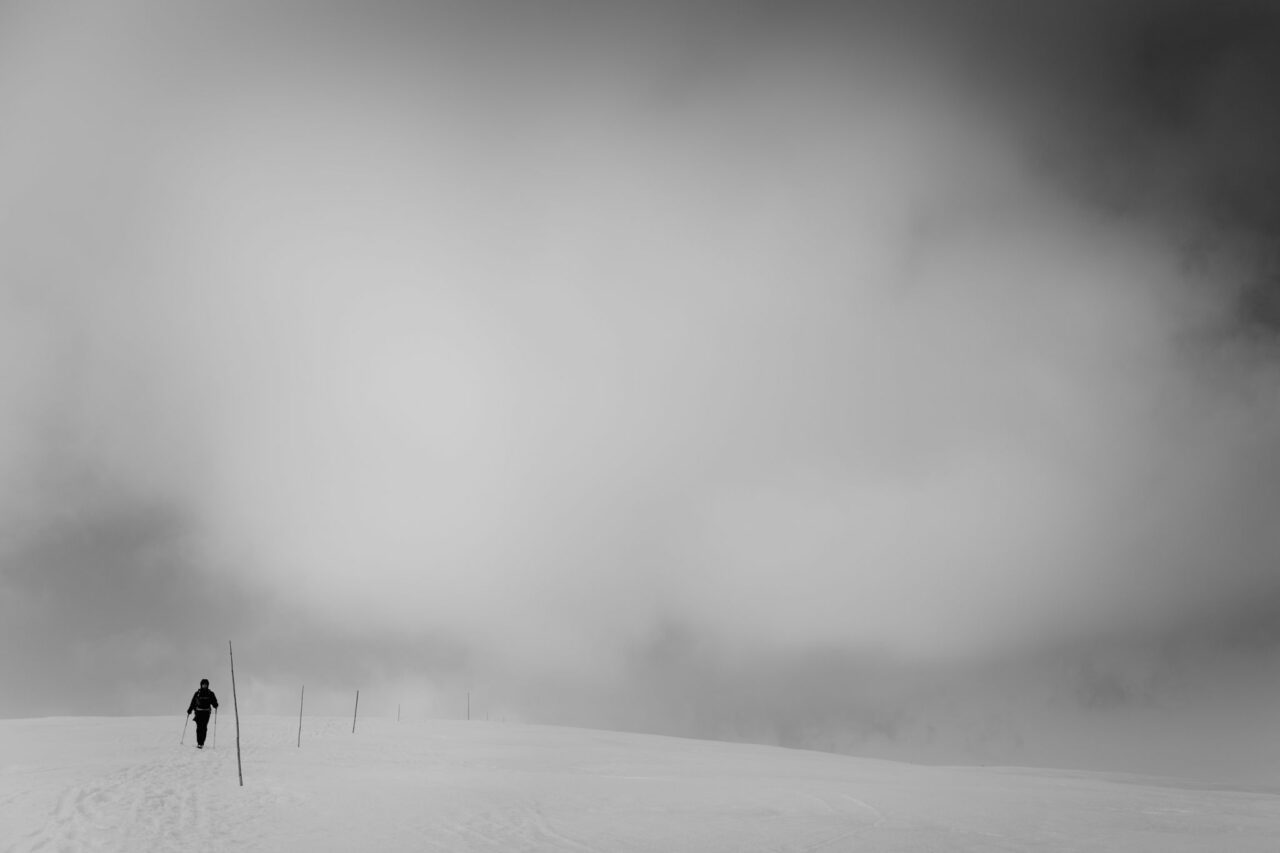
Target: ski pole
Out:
[183,739]
[214,745]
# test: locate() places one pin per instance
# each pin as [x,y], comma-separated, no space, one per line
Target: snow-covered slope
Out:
[71,784]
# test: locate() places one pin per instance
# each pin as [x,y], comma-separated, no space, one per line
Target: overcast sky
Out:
[896,378]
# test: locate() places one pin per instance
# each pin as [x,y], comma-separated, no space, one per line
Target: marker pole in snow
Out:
[356,711]
[236,705]
[300,698]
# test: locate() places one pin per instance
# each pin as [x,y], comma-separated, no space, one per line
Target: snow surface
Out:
[72,784]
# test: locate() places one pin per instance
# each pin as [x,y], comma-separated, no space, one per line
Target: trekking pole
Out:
[214,745]
[183,739]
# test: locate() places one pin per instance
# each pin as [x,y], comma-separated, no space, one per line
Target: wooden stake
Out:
[235,703]
[356,711]
[300,698]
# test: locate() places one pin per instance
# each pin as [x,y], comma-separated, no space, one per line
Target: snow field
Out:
[125,784]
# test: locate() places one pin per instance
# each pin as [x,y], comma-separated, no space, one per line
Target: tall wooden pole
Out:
[235,703]
[300,698]
[355,712]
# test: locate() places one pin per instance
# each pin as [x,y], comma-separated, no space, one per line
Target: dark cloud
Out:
[106,600]
[114,603]
[1167,113]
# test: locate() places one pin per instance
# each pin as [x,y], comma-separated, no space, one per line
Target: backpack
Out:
[202,699]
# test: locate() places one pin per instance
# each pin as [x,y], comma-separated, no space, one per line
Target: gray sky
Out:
[891,378]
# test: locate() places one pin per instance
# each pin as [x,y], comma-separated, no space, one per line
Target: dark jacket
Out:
[202,700]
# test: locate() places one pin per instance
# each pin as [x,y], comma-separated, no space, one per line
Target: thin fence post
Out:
[300,698]
[235,703]
[355,712]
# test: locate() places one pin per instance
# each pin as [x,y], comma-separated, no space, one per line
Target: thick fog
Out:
[898,380]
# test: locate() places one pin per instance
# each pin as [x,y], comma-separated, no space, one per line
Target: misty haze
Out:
[898,381]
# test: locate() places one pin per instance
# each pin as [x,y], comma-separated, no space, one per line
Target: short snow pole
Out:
[214,745]
[355,712]
[183,739]
[236,706]
[300,698]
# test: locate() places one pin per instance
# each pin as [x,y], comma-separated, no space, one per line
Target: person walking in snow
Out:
[201,702]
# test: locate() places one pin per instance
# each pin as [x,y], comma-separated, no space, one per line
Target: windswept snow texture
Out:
[72,784]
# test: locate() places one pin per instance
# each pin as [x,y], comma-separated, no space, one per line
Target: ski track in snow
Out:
[125,784]
[154,796]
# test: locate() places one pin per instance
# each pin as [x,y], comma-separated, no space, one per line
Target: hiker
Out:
[201,702]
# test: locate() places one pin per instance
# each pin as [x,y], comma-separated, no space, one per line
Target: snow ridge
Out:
[125,784]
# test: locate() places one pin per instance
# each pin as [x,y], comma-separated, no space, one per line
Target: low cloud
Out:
[610,351]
